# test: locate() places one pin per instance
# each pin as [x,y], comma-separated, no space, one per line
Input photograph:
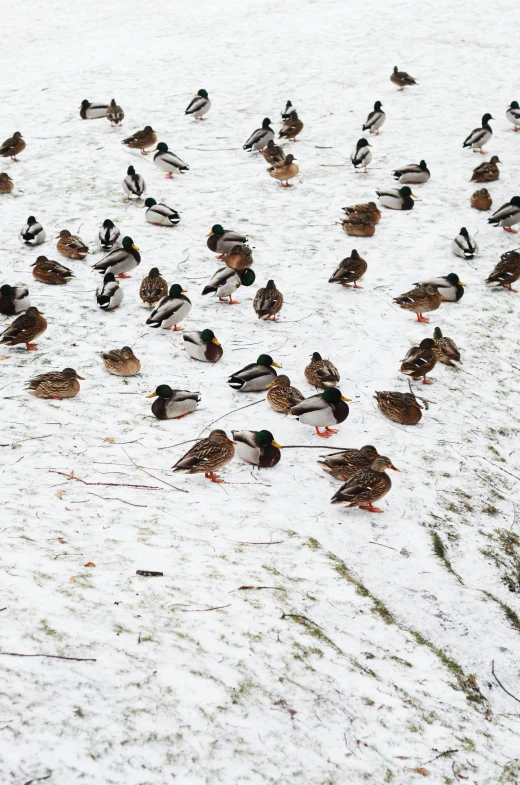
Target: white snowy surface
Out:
[240,694]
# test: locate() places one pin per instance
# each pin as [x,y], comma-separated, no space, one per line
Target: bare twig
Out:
[255,403]
[441,755]
[203,610]
[500,683]
[273,542]
[50,656]
[116,499]
[182,490]
[381,544]
[276,588]
[72,476]
[169,446]
[38,779]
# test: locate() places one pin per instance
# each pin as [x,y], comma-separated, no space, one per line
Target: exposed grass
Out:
[510,614]
[440,552]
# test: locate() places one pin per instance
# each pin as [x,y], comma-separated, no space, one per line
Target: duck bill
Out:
[152,395]
[391,466]
[344,398]
[134,246]
[209,234]
[214,340]
[414,195]
[184,290]
[80,377]
[461,284]
[276,365]
[143,207]
[271,384]
[275,444]
[230,441]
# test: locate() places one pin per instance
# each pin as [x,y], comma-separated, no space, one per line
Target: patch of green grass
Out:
[468,684]
[377,605]
[510,614]
[440,552]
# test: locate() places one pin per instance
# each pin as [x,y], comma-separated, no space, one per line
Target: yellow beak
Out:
[100,226]
[209,234]
[271,384]
[277,366]
[154,150]
[214,340]
[415,196]
[184,290]
[343,398]
[369,145]
[134,246]
[461,284]
[275,444]
[143,206]
[152,395]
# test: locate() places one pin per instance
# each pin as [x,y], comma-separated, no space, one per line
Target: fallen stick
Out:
[115,499]
[71,476]
[51,656]
[370,542]
[500,683]
[203,610]
[255,403]
[149,573]
[276,588]
[182,490]
[441,755]
[168,446]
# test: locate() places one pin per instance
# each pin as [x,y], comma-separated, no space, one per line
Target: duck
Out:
[207,455]
[486,172]
[513,115]
[284,170]
[92,110]
[13,146]
[173,404]
[361,155]
[221,241]
[109,235]
[282,396]
[350,270]
[153,287]
[240,257]
[202,345]
[140,140]
[121,362]
[255,376]
[464,245]
[507,271]
[291,127]
[272,153]
[120,260]
[160,214]
[109,294]
[366,486]
[33,232]
[323,410]
[420,300]
[370,209]
[257,447]
[114,113]
[259,138]
[171,310]
[167,161]
[479,136]
[507,216]
[359,225]
[481,199]
[400,407]
[133,184]
[71,246]
[450,287]
[56,384]
[402,79]
[287,110]
[321,373]
[413,173]
[446,350]
[199,105]
[6,184]
[342,465]
[226,281]
[375,119]
[25,329]
[268,302]
[47,271]
[397,198]
[420,360]
[14,299]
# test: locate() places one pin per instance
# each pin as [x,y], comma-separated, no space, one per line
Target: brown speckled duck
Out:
[446,349]
[420,300]
[121,362]
[350,270]
[12,146]
[359,225]
[370,208]
[284,171]
[345,463]
[47,271]
[141,139]
[56,384]
[400,407]
[366,486]
[486,172]
[321,373]
[153,288]
[268,302]
[6,184]
[71,246]
[481,199]
[420,360]
[282,396]
[25,329]
[207,455]
[507,271]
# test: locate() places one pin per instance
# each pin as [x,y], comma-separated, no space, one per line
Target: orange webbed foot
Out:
[370,507]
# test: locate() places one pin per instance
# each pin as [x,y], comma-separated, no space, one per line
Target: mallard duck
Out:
[47,271]
[207,455]
[350,270]
[272,153]
[323,410]
[121,362]
[370,209]
[173,404]
[413,173]
[402,79]
[361,155]
[481,199]
[400,407]
[259,138]
[25,329]
[282,396]
[345,463]
[226,281]
[153,288]
[420,360]
[170,310]
[222,241]
[257,447]
[160,214]
[255,376]
[92,111]
[321,373]
[114,113]
[239,258]
[420,300]
[199,105]
[366,486]
[202,345]
[6,184]
[285,170]
[33,232]
[71,245]
[287,110]
[450,287]
[14,299]
[133,184]
[507,215]
[464,245]
[121,260]
[513,115]
[12,146]
[167,161]
[268,302]
[109,235]
[359,226]
[375,119]
[507,271]
[56,384]
[109,294]
[446,349]
[291,127]
[141,139]
[486,172]
[397,198]
[479,136]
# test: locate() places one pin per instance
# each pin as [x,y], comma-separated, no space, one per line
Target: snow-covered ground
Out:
[338,646]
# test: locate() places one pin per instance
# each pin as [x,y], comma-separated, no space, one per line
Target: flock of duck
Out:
[363,471]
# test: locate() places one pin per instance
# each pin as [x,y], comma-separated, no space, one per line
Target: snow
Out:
[309,680]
